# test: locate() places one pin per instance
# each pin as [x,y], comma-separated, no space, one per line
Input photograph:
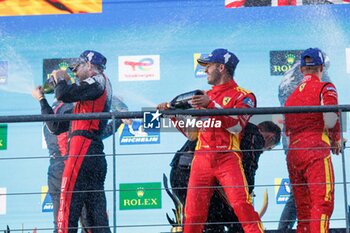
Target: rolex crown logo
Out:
[290,58]
[140,192]
[63,65]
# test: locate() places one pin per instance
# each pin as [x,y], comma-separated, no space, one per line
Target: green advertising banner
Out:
[137,196]
[3,136]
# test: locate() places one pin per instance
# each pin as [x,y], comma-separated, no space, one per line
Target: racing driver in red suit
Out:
[217,156]
[86,167]
[310,138]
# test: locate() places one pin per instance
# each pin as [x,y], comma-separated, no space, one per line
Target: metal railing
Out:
[208,112]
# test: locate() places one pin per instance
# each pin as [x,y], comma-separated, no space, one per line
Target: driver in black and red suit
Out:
[86,167]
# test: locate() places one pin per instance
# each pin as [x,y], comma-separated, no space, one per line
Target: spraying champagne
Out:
[183,101]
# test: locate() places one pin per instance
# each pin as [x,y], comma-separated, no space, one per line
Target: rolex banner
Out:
[3,136]
[281,61]
[137,196]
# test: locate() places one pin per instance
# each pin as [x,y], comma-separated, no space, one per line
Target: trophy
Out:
[177,224]
[183,101]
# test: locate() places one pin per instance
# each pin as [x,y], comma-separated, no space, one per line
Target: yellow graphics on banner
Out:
[46,7]
[44,191]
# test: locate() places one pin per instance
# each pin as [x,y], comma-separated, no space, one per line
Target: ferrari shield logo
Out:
[301,87]
[226,100]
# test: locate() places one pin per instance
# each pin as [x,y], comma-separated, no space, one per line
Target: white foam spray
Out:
[20,77]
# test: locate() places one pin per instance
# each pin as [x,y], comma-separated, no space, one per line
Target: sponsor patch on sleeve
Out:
[248,101]
[90,80]
[331,89]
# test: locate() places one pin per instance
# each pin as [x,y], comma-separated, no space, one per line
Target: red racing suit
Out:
[308,159]
[86,167]
[218,158]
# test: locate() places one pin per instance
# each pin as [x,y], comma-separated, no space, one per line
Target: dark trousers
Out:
[83,184]
[54,182]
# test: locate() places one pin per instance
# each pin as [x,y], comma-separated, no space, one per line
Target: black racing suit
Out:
[86,167]
[251,144]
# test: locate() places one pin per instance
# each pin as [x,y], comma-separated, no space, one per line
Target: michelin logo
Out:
[48,207]
[283,190]
[136,133]
[151,120]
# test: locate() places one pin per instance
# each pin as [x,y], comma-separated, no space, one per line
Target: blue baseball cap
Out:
[91,56]
[221,56]
[316,56]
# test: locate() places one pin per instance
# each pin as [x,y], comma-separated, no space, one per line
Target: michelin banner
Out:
[46,201]
[135,133]
[282,190]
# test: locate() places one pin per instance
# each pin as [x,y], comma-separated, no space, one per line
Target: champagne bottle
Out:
[49,85]
[183,101]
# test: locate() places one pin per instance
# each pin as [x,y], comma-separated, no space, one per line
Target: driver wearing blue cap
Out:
[311,137]
[84,175]
[217,156]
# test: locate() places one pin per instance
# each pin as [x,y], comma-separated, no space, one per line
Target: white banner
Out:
[3,201]
[139,68]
